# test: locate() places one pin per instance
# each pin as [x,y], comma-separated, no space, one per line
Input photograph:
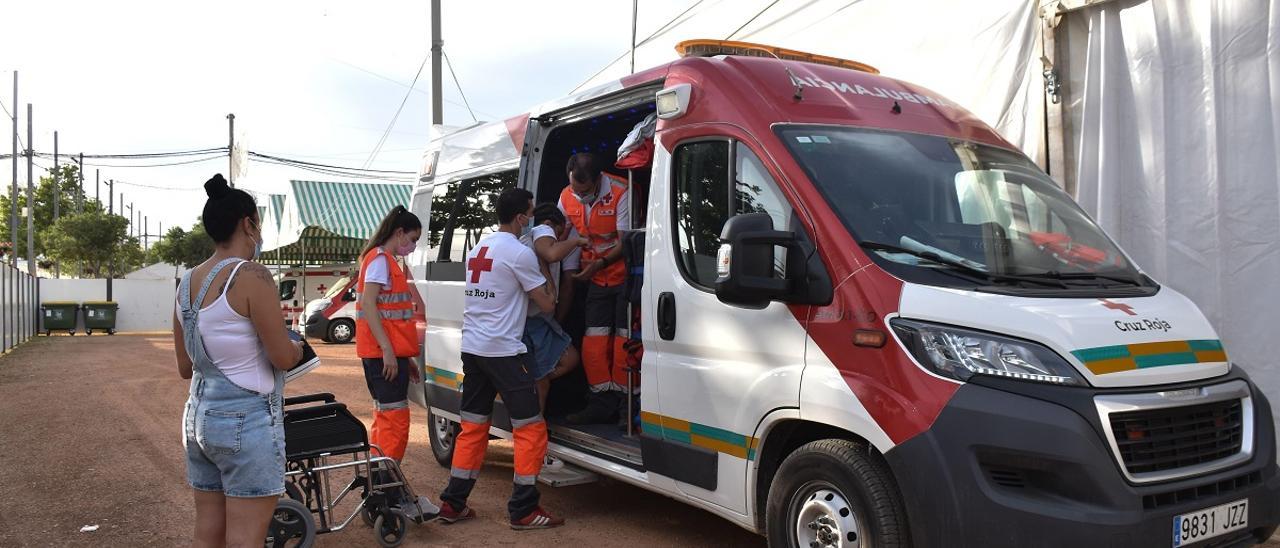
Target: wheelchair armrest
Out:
[309,398]
[304,413]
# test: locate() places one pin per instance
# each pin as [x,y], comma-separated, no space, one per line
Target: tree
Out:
[92,238]
[475,211]
[68,180]
[184,247]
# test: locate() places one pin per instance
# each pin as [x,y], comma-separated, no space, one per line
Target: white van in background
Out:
[299,285]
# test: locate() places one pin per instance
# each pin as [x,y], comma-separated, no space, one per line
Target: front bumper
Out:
[317,327]
[1009,463]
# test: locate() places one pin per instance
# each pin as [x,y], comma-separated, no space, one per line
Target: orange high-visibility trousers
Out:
[604,356]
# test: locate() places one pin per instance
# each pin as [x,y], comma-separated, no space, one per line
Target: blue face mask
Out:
[526,228]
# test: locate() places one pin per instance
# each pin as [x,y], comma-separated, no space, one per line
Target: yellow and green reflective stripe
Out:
[444,377]
[700,435]
[1128,357]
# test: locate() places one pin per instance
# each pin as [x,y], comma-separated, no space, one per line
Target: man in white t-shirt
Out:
[502,277]
[558,247]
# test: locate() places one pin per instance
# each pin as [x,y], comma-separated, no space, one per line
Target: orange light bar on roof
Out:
[710,48]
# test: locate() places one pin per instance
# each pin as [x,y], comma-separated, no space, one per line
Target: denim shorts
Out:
[235,445]
[546,342]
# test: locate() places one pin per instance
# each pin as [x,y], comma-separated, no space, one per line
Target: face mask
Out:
[257,247]
[406,249]
[587,199]
[526,228]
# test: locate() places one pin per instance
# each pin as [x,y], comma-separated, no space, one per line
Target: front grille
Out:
[1200,492]
[1169,438]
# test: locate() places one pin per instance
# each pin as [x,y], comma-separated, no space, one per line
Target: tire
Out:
[835,493]
[342,331]
[390,528]
[442,433]
[291,526]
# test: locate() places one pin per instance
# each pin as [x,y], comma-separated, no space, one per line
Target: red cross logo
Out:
[479,264]
[1119,306]
[321,288]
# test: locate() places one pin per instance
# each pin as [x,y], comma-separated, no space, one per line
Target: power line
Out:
[402,84]
[374,153]
[458,84]
[329,166]
[167,164]
[664,28]
[752,19]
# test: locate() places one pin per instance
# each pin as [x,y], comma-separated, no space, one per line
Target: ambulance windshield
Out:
[949,212]
[337,287]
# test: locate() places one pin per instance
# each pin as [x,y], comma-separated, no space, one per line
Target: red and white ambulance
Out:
[298,285]
[868,320]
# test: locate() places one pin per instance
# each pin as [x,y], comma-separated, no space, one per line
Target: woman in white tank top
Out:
[229,341]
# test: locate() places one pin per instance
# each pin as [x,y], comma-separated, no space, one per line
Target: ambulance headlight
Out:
[960,354]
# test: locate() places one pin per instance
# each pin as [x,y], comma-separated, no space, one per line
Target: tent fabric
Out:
[1174,131]
[982,55]
[352,210]
[322,222]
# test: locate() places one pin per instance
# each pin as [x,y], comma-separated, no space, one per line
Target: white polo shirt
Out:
[572,261]
[500,271]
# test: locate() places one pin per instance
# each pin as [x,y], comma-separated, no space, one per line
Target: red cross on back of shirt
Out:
[479,264]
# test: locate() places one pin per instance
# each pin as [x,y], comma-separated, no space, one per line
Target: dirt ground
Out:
[89,435]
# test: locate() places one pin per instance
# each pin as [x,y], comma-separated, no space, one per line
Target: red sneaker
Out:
[449,514]
[537,519]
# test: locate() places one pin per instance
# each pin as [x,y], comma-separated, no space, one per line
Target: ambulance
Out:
[332,317]
[868,320]
[298,285]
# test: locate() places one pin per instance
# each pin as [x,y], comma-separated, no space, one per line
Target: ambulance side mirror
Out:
[747,274]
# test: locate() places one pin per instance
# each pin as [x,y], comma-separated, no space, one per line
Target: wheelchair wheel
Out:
[390,528]
[291,526]
[368,515]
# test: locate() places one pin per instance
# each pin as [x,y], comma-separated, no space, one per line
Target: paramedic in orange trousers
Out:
[502,277]
[386,339]
[599,206]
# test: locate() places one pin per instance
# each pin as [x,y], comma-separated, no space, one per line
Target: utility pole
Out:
[13,195]
[80,193]
[97,187]
[635,8]
[111,196]
[437,79]
[31,199]
[57,184]
[231,150]
[131,224]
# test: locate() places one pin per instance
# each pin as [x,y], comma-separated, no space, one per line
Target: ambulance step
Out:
[566,476]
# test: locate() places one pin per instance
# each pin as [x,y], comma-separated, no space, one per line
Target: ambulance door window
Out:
[287,289]
[755,192]
[701,206]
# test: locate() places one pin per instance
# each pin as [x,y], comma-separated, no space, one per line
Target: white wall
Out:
[145,305]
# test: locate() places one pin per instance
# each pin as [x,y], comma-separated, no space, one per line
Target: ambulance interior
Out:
[602,135]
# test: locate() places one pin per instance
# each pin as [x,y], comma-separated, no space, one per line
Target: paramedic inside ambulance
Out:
[386,337]
[599,207]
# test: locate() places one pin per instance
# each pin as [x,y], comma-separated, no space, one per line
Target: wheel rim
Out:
[823,517]
[443,433]
[342,332]
[286,525]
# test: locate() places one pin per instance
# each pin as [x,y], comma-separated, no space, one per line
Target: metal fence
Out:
[19,306]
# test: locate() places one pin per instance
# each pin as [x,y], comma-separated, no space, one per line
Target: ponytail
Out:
[399,217]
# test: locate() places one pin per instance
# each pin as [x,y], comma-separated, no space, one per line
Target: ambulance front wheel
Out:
[443,433]
[835,493]
[342,331]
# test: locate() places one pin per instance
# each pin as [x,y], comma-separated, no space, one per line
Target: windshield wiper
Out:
[1054,274]
[959,266]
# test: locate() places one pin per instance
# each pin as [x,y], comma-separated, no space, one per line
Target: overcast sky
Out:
[314,80]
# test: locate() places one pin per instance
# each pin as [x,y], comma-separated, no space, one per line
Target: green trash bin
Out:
[100,315]
[59,316]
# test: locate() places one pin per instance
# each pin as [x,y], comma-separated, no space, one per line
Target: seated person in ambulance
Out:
[558,248]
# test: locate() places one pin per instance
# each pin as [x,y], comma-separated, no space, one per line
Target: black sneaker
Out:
[601,409]
[623,417]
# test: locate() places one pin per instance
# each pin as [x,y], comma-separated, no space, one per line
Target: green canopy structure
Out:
[325,222]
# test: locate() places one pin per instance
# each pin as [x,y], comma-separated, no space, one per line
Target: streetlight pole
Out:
[231,150]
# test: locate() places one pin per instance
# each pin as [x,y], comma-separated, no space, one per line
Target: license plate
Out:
[1208,523]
